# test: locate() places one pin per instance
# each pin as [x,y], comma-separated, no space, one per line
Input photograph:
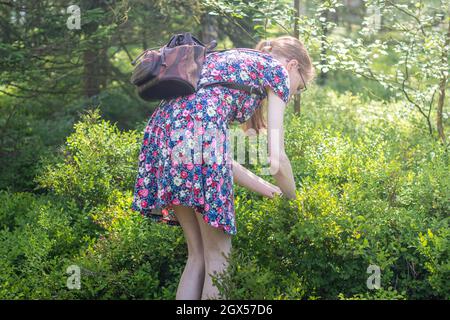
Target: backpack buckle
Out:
[255,90]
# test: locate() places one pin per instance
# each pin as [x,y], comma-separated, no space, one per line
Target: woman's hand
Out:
[273,189]
[251,181]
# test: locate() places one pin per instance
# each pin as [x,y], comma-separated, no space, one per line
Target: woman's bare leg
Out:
[215,242]
[191,282]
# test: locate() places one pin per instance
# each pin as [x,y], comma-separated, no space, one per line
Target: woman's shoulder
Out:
[240,52]
[262,60]
[270,70]
[262,67]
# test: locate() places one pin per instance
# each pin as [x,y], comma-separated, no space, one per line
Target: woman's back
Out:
[243,66]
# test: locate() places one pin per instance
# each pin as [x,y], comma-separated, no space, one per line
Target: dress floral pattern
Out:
[185,157]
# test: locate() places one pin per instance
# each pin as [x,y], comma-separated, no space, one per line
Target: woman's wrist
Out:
[270,190]
[262,188]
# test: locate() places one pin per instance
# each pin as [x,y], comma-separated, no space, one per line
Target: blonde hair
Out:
[287,47]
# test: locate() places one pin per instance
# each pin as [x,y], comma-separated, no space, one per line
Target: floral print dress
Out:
[185,157]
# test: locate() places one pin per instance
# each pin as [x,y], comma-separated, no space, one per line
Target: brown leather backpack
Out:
[174,70]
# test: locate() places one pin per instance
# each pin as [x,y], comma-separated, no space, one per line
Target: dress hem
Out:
[160,218]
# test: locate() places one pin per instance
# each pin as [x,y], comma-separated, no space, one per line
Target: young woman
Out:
[197,193]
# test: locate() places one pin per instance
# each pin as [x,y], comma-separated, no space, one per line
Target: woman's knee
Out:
[217,248]
[196,253]
[196,262]
[215,241]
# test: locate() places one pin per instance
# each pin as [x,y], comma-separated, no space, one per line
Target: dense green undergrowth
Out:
[373,190]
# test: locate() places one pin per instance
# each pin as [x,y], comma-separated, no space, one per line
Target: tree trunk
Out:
[322,75]
[144,39]
[91,73]
[442,87]
[105,70]
[297,99]
[210,29]
[93,55]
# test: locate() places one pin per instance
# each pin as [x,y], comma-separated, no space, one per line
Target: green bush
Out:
[90,226]
[358,204]
[97,159]
[30,130]
[372,190]
[37,235]
[135,259]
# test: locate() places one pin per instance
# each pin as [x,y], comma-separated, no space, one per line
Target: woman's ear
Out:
[292,64]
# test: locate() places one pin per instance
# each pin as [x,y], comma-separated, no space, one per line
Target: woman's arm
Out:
[280,166]
[283,175]
[245,178]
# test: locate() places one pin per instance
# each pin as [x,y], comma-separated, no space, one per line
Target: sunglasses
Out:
[303,89]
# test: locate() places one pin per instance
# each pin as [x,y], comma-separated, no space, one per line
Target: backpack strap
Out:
[239,49]
[238,86]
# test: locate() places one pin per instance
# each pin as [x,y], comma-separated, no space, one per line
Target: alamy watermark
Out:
[74,275]
[74,278]
[74,20]
[374,280]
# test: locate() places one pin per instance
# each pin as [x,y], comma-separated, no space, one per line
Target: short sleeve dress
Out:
[185,157]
